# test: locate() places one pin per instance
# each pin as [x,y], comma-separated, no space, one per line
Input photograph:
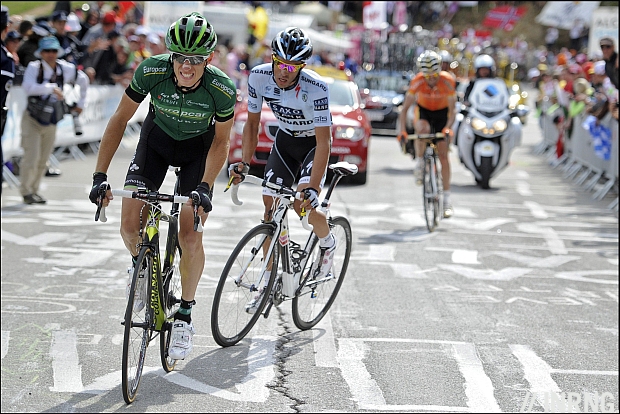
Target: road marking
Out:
[553,240]
[534,261]
[72,257]
[536,210]
[523,188]
[507,273]
[325,354]
[368,395]
[465,256]
[381,253]
[6,337]
[483,225]
[580,276]
[42,239]
[65,362]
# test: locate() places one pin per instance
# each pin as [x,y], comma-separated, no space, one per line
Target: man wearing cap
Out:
[7,73]
[70,44]
[43,84]
[610,56]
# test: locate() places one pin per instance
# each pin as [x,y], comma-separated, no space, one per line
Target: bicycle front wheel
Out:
[318,295]
[429,194]
[138,322]
[242,277]
[172,301]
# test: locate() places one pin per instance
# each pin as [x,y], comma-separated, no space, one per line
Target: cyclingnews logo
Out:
[569,402]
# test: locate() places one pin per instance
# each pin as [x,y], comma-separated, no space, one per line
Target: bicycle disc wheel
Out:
[317,296]
[239,283]
[172,301]
[428,195]
[137,328]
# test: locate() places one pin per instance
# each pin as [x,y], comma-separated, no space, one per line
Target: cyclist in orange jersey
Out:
[432,92]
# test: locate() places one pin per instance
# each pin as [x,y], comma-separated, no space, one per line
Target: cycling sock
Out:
[134,260]
[446,197]
[185,311]
[327,241]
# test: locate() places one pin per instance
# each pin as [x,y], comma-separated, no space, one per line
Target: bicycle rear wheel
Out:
[429,193]
[241,278]
[138,324]
[317,296]
[172,301]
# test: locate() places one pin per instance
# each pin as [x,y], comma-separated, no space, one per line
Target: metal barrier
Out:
[100,104]
[579,162]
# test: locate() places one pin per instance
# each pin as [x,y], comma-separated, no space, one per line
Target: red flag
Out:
[504,17]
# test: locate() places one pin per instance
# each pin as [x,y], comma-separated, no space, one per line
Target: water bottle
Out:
[77,125]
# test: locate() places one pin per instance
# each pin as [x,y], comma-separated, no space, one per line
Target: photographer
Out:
[43,84]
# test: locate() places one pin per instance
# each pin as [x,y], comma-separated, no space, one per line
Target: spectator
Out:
[155,45]
[551,37]
[576,33]
[11,42]
[122,72]
[7,74]
[91,20]
[96,38]
[610,57]
[43,83]
[350,64]
[27,49]
[70,44]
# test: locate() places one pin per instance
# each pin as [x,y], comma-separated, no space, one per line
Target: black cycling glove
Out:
[98,179]
[312,195]
[206,194]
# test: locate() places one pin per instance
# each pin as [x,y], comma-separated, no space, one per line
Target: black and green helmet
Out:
[191,34]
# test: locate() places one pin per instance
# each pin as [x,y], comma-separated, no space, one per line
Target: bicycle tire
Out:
[315,299]
[137,334]
[172,301]
[438,191]
[428,195]
[230,322]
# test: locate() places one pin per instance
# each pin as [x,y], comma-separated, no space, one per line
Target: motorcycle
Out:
[487,130]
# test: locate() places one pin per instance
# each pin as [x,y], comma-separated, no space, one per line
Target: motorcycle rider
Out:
[432,93]
[484,65]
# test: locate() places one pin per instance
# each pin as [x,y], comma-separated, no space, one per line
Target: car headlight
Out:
[478,124]
[500,125]
[349,133]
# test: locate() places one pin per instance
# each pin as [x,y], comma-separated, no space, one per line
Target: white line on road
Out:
[6,336]
[65,362]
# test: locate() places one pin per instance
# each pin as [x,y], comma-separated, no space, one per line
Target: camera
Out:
[77,125]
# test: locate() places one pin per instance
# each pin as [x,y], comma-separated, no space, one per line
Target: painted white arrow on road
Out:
[483,225]
[42,239]
[507,273]
[533,261]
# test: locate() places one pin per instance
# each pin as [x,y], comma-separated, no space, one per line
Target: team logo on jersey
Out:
[320,104]
[320,119]
[201,104]
[251,91]
[283,112]
[149,70]
[304,97]
[219,85]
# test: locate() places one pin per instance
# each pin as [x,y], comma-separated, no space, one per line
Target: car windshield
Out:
[340,93]
[396,83]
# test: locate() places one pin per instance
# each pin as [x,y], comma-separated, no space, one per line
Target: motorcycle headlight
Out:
[500,125]
[238,127]
[349,133]
[478,124]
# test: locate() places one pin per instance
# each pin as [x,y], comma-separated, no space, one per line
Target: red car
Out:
[351,128]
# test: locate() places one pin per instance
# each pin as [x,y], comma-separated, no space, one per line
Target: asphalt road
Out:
[512,300]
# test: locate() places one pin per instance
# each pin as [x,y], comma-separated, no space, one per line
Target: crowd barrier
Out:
[579,161]
[101,102]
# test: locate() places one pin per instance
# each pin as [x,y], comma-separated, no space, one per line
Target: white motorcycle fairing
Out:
[488,130]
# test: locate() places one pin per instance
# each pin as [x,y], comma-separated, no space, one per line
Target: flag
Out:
[504,17]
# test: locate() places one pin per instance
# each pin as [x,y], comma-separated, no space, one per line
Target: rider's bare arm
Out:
[218,153]
[114,132]
[321,155]
[250,136]
[410,100]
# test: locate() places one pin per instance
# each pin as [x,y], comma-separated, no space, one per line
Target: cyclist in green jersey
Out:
[188,125]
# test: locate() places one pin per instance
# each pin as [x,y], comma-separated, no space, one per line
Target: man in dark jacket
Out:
[8,73]
[610,56]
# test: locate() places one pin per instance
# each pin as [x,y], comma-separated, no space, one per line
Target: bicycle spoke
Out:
[317,295]
[242,277]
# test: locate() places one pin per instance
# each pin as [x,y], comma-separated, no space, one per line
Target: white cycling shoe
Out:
[181,342]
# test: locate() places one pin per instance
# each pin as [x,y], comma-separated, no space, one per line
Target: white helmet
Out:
[484,61]
[429,62]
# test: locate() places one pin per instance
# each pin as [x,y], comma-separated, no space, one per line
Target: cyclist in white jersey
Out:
[298,98]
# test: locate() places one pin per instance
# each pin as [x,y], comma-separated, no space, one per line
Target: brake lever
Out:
[196,203]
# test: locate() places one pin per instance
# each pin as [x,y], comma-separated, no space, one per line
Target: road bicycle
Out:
[162,284]
[432,183]
[268,248]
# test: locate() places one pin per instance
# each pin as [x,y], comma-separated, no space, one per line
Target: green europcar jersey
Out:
[183,115]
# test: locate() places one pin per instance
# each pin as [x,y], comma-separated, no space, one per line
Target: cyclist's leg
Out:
[422,126]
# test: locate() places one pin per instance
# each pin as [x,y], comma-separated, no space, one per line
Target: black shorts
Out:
[437,119]
[156,151]
[290,157]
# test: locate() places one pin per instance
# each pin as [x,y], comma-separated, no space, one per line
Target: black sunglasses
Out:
[605,46]
[193,60]
[50,50]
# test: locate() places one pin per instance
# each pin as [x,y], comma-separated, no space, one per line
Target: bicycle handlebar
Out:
[252,179]
[148,197]
[427,136]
